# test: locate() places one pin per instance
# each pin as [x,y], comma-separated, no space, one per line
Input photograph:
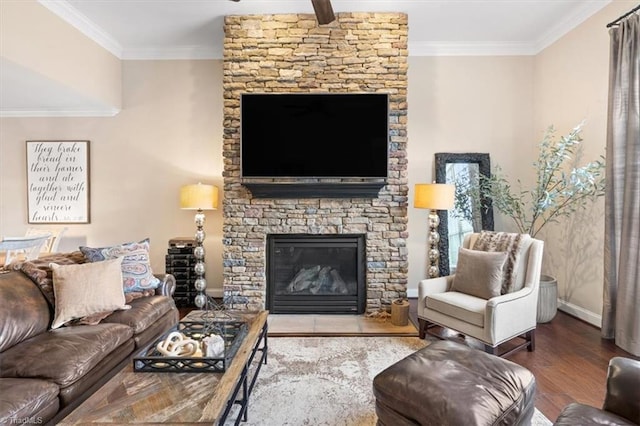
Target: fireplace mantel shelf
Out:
[315,189]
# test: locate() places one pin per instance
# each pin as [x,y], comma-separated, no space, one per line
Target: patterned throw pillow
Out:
[136,266]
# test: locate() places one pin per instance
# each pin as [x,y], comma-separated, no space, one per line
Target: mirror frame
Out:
[484,165]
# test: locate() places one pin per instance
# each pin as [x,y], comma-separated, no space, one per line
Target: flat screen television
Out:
[314,135]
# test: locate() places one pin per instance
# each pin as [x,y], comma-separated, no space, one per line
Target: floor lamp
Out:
[199,197]
[434,196]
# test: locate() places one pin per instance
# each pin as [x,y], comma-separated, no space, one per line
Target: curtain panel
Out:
[621,307]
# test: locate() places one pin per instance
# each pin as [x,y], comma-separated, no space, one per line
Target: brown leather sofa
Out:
[45,373]
[621,403]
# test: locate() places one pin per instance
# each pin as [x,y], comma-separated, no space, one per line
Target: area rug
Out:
[327,380]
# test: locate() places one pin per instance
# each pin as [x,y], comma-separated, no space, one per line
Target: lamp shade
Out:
[199,197]
[434,196]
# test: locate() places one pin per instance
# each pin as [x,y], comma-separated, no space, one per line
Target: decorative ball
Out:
[434,237]
[434,254]
[433,271]
[199,268]
[434,220]
[200,236]
[198,252]
[199,219]
[200,300]
[200,284]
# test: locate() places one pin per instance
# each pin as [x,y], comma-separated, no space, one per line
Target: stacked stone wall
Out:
[357,53]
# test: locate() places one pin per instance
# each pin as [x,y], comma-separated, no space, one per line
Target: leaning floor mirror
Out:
[461,169]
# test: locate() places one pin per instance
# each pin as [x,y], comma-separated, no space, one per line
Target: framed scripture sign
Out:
[58,181]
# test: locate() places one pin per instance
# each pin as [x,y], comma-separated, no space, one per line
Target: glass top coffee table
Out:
[181,398]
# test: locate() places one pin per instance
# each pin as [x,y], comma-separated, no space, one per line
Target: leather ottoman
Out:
[447,383]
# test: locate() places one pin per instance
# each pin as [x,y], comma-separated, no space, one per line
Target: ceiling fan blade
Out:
[324,11]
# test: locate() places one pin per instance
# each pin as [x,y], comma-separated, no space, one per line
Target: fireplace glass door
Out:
[316,274]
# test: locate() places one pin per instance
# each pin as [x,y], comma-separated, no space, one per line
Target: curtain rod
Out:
[611,24]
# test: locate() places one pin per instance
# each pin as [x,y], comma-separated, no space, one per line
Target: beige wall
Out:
[571,85]
[168,134]
[464,104]
[39,41]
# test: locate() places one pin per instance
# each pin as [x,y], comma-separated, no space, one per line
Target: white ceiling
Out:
[193,29]
[184,29]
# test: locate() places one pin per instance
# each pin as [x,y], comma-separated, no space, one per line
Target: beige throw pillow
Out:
[87,289]
[479,273]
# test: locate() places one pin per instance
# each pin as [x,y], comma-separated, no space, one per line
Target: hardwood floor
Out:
[569,363]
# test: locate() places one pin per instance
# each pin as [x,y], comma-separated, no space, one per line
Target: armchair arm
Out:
[167,286]
[510,314]
[623,388]
[432,286]
[494,302]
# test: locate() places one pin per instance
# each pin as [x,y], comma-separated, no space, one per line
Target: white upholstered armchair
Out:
[493,318]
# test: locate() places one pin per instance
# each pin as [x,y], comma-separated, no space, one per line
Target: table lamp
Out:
[199,197]
[434,196]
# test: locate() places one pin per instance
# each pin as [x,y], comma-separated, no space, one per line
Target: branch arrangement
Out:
[561,187]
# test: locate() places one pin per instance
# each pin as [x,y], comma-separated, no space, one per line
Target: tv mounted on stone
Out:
[314,144]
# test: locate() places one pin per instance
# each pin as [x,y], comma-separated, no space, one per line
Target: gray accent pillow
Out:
[479,273]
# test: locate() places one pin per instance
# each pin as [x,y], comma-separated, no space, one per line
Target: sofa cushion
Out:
[106,369]
[479,273]
[88,289]
[459,305]
[24,401]
[136,265]
[25,311]
[40,272]
[65,354]
[143,313]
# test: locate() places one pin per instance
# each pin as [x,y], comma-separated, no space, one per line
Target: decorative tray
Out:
[151,360]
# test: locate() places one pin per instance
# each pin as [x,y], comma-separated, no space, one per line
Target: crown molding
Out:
[587,9]
[470,49]
[79,21]
[57,112]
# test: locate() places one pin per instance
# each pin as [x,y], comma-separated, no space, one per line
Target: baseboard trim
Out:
[580,313]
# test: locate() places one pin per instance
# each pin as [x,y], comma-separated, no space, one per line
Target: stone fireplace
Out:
[357,53]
